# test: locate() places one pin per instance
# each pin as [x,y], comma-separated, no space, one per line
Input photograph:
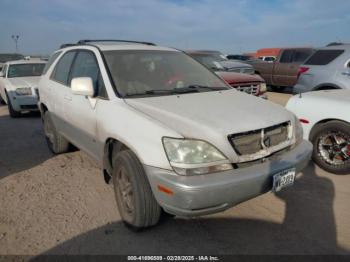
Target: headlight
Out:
[263,88]
[24,91]
[298,130]
[194,157]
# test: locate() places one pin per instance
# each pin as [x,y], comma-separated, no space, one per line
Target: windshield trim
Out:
[114,84]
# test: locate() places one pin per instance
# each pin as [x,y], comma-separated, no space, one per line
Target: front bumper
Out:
[23,103]
[206,194]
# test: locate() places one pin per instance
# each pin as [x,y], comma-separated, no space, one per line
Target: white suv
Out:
[169,134]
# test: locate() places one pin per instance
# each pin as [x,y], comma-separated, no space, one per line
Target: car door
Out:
[81,110]
[283,68]
[3,82]
[59,91]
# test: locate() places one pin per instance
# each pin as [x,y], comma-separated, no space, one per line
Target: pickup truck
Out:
[285,70]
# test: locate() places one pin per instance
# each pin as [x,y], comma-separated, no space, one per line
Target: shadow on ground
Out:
[22,143]
[308,228]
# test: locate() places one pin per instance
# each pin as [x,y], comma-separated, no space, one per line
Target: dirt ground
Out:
[61,205]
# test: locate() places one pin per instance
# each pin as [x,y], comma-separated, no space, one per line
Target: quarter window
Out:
[287,56]
[323,57]
[85,65]
[61,72]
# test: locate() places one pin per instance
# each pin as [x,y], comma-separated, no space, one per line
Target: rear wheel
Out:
[56,142]
[331,142]
[136,203]
[13,113]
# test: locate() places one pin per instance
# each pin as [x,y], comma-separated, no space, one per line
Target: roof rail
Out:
[83,42]
[66,45]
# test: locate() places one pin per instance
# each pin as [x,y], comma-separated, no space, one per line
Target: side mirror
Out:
[83,86]
[1,74]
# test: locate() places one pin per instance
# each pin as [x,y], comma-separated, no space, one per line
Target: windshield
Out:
[210,61]
[10,57]
[152,73]
[23,70]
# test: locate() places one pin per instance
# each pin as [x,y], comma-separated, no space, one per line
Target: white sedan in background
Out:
[19,85]
[325,117]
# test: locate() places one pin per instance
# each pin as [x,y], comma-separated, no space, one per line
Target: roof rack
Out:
[66,45]
[83,42]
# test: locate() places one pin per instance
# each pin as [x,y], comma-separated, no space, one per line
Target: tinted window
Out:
[323,57]
[50,62]
[62,68]
[301,55]
[23,70]
[85,65]
[287,56]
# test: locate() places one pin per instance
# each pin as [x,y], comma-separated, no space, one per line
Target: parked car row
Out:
[307,69]
[171,130]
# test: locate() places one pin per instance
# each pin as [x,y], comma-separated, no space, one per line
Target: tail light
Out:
[302,70]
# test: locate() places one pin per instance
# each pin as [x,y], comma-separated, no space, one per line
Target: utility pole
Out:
[15,38]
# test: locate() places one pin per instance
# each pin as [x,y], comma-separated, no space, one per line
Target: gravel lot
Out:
[61,205]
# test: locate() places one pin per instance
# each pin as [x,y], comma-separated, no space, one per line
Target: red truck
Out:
[284,71]
[251,84]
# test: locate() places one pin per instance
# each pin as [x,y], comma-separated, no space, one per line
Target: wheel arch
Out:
[326,86]
[112,146]
[324,121]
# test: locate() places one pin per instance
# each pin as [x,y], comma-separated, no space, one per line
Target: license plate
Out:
[283,179]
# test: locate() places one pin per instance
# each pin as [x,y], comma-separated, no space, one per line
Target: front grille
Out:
[37,92]
[252,142]
[252,89]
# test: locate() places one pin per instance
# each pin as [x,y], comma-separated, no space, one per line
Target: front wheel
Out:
[136,203]
[331,142]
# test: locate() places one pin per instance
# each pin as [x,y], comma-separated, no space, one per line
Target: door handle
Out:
[346,73]
[68,98]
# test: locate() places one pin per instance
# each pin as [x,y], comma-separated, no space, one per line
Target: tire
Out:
[13,113]
[136,203]
[327,147]
[2,101]
[56,142]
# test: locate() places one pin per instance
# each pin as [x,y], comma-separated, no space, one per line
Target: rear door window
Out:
[323,57]
[301,55]
[61,72]
[287,56]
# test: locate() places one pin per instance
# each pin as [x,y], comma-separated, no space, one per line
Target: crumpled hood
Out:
[211,116]
[24,82]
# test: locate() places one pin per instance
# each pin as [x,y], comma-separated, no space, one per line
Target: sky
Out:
[231,26]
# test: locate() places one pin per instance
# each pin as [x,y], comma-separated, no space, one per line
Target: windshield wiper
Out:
[182,90]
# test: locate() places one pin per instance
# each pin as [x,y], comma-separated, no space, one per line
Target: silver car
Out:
[327,68]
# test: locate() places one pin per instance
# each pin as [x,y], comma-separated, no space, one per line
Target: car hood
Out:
[337,95]
[24,81]
[234,64]
[211,116]
[235,78]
